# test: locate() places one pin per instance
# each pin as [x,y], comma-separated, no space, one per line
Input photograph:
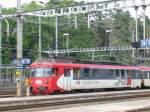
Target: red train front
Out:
[43,78]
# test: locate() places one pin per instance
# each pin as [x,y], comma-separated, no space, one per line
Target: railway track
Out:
[9,93]
[5,94]
[27,103]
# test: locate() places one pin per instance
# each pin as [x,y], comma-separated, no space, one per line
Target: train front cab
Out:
[43,80]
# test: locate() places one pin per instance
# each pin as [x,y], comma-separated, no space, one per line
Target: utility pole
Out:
[56,35]
[19,48]
[135,52]
[88,20]
[144,24]
[39,55]
[76,21]
[133,37]
[136,24]
[0,35]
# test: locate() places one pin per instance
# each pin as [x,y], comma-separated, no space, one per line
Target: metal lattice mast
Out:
[56,34]
[39,53]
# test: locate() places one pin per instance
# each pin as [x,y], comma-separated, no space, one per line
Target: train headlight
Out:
[38,82]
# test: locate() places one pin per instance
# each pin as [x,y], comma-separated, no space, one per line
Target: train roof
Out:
[78,65]
[145,68]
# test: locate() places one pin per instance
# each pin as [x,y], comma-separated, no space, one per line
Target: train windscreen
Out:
[41,72]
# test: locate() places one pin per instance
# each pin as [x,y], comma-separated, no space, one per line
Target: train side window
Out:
[122,74]
[138,74]
[133,75]
[76,73]
[149,74]
[117,73]
[145,75]
[95,73]
[67,72]
[106,74]
[86,72]
[81,73]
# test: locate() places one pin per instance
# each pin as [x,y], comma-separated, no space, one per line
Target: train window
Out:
[136,74]
[76,73]
[95,73]
[86,72]
[149,74]
[41,72]
[123,75]
[117,73]
[106,74]
[145,75]
[67,72]
[48,72]
[81,73]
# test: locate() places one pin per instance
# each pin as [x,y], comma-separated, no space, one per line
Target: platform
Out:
[12,99]
[109,107]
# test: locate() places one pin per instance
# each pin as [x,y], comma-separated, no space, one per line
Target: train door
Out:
[67,79]
[136,80]
[123,77]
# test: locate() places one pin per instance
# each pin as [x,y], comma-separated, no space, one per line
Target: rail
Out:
[31,102]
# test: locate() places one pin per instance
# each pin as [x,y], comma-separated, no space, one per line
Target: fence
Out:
[8,77]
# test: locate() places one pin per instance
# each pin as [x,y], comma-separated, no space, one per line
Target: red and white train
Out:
[49,76]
